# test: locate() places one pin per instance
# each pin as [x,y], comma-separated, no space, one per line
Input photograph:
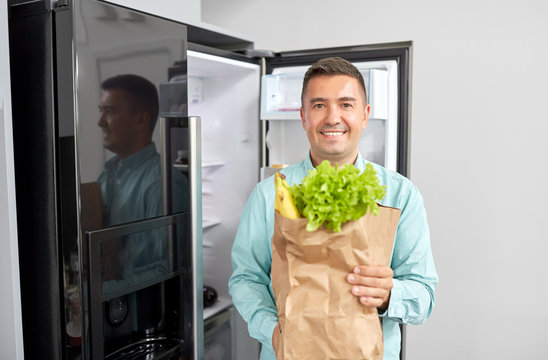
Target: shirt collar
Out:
[134,160]
[359,163]
[308,163]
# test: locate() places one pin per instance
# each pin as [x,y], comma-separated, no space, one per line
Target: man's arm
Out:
[405,291]
[249,284]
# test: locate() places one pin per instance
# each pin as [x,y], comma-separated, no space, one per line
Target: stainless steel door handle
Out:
[194,173]
[195,180]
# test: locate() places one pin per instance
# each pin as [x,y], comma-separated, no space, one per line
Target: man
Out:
[334,113]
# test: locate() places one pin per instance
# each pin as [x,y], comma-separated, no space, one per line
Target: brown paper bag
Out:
[319,317]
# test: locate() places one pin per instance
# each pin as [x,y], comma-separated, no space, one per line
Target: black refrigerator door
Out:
[400,53]
[33,53]
[139,217]
[86,180]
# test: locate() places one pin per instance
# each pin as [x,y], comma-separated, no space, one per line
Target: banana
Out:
[284,202]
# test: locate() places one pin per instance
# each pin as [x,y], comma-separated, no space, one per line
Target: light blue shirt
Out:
[132,187]
[132,190]
[415,278]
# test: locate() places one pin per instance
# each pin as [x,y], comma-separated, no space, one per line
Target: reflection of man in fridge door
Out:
[334,113]
[131,182]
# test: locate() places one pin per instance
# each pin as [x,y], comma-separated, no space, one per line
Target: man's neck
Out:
[135,149]
[341,161]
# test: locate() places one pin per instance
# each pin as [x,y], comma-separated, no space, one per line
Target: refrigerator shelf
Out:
[206,191]
[219,305]
[281,115]
[212,164]
[207,223]
[281,95]
[207,164]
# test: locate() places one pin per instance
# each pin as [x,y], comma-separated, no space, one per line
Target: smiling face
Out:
[334,113]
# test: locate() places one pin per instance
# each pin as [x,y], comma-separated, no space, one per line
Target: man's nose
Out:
[333,115]
[101,122]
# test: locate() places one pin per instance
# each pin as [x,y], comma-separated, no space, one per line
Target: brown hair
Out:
[333,66]
[142,92]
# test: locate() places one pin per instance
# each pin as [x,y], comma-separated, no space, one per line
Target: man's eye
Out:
[347,105]
[317,106]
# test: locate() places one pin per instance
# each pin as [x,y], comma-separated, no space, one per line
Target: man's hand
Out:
[275,335]
[372,285]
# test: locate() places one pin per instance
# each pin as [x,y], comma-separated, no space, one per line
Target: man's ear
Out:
[143,119]
[366,112]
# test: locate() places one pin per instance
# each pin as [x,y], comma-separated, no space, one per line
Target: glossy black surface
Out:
[60,56]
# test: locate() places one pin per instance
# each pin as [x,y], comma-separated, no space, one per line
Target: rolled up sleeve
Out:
[250,285]
[412,297]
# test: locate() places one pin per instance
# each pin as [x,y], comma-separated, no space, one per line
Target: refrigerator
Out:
[228,117]
[110,257]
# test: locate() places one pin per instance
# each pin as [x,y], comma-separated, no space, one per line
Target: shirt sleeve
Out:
[415,278]
[249,284]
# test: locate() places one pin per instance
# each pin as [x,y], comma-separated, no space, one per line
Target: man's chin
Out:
[333,154]
[332,151]
[107,146]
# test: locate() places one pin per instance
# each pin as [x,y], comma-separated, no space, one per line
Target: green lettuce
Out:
[334,195]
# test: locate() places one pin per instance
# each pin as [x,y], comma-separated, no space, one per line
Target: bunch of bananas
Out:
[284,202]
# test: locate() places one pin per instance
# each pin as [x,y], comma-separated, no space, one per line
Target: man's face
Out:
[118,122]
[334,114]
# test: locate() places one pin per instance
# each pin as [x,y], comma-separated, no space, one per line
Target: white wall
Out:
[478,150]
[185,11]
[11,333]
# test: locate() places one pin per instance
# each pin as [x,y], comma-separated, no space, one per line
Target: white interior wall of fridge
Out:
[225,94]
[286,139]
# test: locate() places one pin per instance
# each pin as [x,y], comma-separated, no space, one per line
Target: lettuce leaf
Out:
[334,195]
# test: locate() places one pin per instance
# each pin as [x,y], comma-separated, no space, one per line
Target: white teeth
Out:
[332,133]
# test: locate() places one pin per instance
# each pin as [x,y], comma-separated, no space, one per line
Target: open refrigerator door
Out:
[225,92]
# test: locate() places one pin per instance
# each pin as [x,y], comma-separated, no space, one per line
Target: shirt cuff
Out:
[268,332]
[396,310]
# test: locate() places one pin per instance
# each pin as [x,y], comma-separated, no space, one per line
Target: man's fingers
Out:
[368,292]
[373,282]
[370,302]
[374,271]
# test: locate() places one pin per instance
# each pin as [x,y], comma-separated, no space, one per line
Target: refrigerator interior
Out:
[225,94]
[286,139]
